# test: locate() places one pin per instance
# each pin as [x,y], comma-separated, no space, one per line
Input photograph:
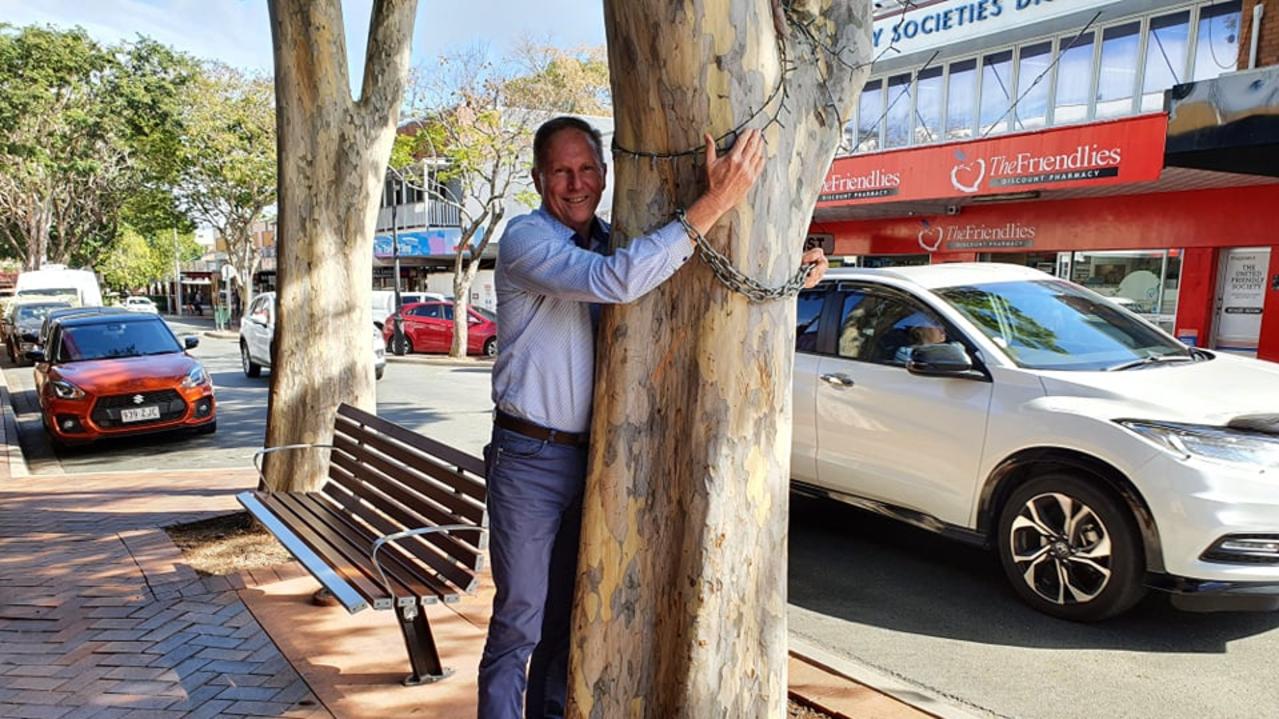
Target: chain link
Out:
[733,278]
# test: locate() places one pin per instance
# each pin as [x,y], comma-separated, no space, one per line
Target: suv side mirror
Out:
[35,356]
[940,360]
[191,342]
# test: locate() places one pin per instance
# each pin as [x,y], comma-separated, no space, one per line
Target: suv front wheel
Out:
[1071,549]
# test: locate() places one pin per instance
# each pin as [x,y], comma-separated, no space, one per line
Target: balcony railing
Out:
[420,214]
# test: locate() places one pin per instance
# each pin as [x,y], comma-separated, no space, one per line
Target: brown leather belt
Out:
[537,431]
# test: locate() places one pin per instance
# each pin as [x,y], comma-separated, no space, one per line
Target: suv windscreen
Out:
[110,340]
[1054,325]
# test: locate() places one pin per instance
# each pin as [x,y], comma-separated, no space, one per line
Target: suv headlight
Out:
[197,377]
[1212,443]
[63,389]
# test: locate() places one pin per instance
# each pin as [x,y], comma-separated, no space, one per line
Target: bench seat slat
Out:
[398,565]
[448,508]
[318,515]
[315,564]
[338,557]
[440,564]
[401,505]
[415,471]
[474,487]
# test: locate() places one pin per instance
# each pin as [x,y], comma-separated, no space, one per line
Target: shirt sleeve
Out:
[535,260]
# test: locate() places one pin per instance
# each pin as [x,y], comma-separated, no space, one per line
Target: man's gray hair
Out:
[542,139]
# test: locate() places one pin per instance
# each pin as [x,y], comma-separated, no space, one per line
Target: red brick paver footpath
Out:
[100,618]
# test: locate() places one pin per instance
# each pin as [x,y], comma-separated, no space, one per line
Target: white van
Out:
[58,281]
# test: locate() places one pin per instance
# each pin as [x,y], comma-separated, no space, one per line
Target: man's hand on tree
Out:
[817,259]
[728,179]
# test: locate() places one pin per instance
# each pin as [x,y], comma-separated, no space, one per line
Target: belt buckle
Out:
[550,435]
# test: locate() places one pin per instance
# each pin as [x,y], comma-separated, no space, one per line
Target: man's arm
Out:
[558,268]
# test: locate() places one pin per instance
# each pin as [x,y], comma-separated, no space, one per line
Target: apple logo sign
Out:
[967,176]
[930,237]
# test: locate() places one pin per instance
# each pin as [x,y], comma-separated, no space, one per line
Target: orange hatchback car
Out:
[112,375]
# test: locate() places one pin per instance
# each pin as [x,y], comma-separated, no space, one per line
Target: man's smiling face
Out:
[571,179]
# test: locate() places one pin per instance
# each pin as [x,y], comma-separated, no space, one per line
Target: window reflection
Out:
[961,100]
[1034,64]
[928,105]
[1165,58]
[1217,43]
[996,91]
[870,111]
[1118,74]
[1074,79]
[898,115]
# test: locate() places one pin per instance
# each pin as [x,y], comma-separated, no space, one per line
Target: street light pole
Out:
[177,273]
[397,327]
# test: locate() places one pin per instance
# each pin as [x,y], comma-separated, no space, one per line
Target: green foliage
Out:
[88,136]
[563,81]
[227,173]
[136,260]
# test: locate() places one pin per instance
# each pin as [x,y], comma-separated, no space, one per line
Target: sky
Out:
[238,33]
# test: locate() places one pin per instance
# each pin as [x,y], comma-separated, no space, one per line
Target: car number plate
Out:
[139,414]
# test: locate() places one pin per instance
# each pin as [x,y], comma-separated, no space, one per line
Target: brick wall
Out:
[1268,43]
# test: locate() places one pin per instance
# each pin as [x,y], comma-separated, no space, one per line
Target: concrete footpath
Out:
[100,617]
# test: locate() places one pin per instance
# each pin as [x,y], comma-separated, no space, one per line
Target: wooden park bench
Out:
[399,524]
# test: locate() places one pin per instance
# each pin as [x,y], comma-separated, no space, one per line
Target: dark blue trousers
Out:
[535,520]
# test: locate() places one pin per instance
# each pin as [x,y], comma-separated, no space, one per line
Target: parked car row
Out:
[106,372]
[257,334]
[428,327]
[995,404]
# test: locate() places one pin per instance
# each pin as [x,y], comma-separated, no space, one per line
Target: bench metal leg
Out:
[423,656]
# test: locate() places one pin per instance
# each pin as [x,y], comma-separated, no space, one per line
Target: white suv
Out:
[257,332]
[999,405]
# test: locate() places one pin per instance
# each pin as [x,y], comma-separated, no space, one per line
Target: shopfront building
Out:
[1040,153]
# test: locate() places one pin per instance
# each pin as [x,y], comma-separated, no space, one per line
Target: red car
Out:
[112,375]
[428,327]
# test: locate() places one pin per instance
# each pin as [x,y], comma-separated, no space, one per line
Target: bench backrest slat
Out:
[348,479]
[418,551]
[472,486]
[417,473]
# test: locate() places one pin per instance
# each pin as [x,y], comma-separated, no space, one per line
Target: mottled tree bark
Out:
[333,156]
[681,600]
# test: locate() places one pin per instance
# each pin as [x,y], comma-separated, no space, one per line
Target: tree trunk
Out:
[333,154]
[681,597]
[463,275]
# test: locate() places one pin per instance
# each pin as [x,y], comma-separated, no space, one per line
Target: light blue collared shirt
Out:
[546,283]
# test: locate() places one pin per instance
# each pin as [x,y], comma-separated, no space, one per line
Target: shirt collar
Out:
[600,230]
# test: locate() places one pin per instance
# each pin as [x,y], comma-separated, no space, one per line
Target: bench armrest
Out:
[257,464]
[397,536]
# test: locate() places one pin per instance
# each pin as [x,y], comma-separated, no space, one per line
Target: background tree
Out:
[333,153]
[227,178]
[474,131]
[86,133]
[681,603]
[136,260]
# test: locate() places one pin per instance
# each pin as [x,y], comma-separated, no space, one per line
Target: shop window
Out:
[1117,78]
[996,91]
[1217,40]
[897,115]
[1166,46]
[1074,79]
[1144,281]
[870,111]
[928,105]
[961,100]
[1034,85]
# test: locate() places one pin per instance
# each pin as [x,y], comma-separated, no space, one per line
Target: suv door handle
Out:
[839,379]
